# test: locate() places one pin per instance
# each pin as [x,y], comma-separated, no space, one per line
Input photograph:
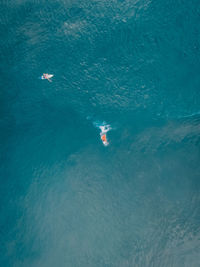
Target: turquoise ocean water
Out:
[65,199]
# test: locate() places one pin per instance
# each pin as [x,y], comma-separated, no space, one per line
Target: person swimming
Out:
[47,77]
[104,129]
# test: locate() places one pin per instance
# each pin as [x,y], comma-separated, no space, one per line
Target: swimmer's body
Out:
[104,129]
[104,139]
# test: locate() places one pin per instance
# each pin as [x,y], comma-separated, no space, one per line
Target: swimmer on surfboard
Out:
[47,76]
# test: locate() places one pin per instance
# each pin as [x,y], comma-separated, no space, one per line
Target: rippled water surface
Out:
[65,199]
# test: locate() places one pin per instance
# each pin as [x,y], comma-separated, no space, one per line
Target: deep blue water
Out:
[65,199]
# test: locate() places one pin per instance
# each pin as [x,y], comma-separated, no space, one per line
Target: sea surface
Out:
[65,199]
